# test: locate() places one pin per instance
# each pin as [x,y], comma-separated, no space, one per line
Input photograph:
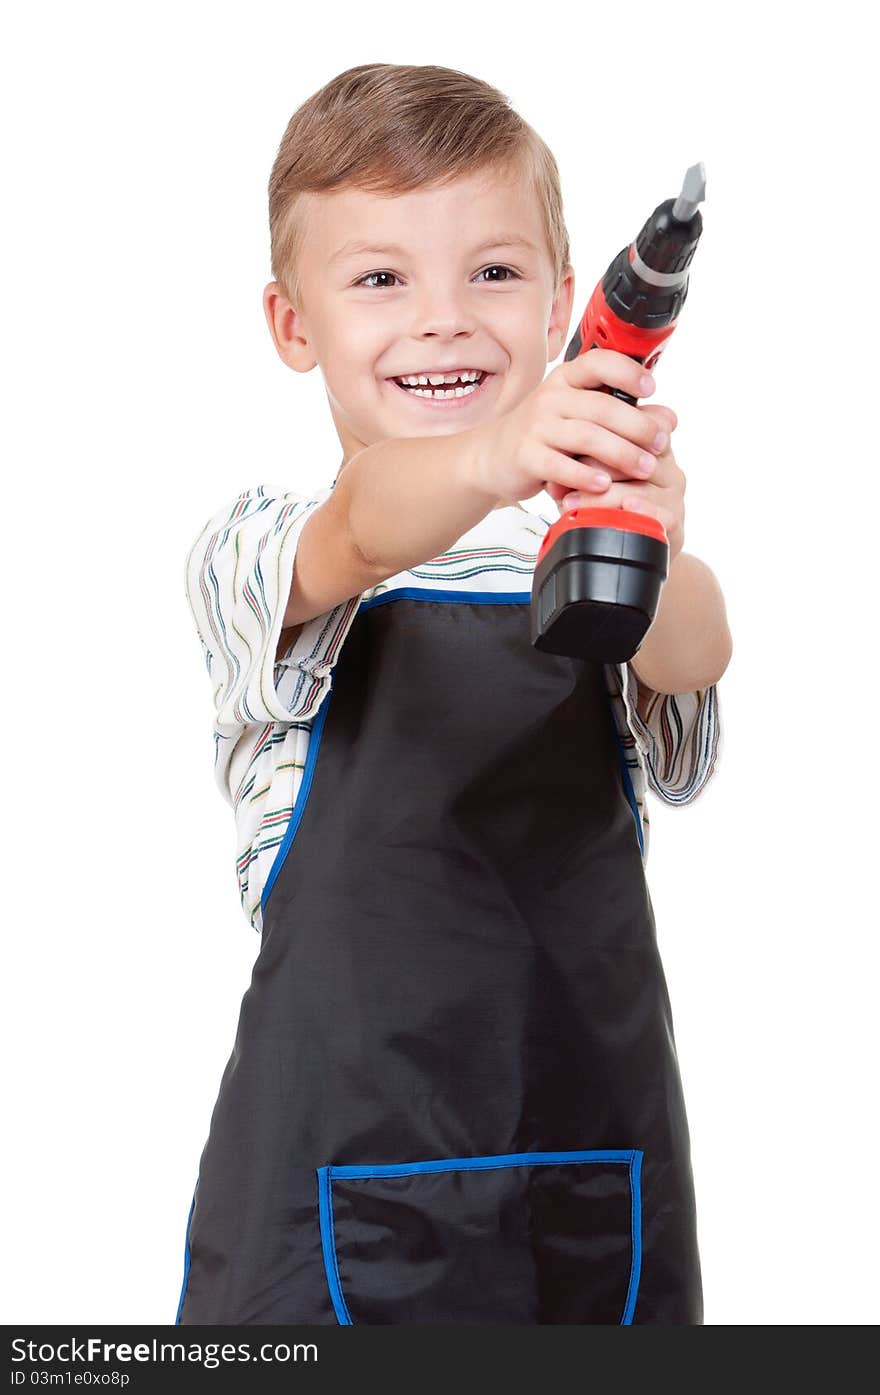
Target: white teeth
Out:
[435,379]
[455,392]
[431,384]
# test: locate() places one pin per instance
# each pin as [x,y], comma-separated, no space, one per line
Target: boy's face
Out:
[427,295]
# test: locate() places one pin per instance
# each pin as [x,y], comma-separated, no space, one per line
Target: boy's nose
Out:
[444,314]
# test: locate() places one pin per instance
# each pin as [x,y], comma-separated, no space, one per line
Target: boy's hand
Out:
[661,495]
[533,446]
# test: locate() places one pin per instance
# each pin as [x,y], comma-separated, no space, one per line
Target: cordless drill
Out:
[599,572]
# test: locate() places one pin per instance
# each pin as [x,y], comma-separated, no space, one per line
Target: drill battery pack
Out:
[597,584]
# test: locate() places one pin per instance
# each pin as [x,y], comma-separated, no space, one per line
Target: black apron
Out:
[454,1093]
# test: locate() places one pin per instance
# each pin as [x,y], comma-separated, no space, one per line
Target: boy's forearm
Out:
[688,645]
[408,499]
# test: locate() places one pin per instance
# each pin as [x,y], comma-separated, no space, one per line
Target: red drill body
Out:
[601,328]
[599,572]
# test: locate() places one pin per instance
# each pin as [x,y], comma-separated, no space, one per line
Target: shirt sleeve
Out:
[680,738]
[239,572]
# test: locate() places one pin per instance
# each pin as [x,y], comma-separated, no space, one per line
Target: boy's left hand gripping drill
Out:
[599,572]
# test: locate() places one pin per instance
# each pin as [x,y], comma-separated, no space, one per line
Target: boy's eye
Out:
[365,280]
[510,272]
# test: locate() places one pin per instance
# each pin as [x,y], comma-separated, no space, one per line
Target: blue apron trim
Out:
[631,1156]
[299,807]
[615,1155]
[419,593]
[635,1187]
[630,793]
[328,1246]
[186,1256]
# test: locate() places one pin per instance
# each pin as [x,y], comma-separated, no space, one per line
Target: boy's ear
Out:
[560,314]
[287,330]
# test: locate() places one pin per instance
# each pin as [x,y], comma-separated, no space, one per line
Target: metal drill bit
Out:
[693,191]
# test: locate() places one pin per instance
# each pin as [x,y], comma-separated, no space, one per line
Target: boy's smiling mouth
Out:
[446,388]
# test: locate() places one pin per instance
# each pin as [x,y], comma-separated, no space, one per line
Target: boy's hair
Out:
[389,128]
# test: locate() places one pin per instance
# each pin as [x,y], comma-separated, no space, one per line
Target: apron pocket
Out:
[518,1238]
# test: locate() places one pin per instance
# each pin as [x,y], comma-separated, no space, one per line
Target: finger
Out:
[664,416]
[589,439]
[556,491]
[636,424]
[597,368]
[572,474]
[635,503]
[623,495]
[597,479]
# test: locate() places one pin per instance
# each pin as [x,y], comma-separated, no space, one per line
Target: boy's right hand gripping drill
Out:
[599,572]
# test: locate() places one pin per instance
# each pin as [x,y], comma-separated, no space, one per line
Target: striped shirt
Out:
[239,573]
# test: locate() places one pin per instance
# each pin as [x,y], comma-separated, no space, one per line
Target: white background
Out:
[143,391]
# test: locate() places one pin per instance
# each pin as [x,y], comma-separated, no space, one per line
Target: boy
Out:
[453,1094]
